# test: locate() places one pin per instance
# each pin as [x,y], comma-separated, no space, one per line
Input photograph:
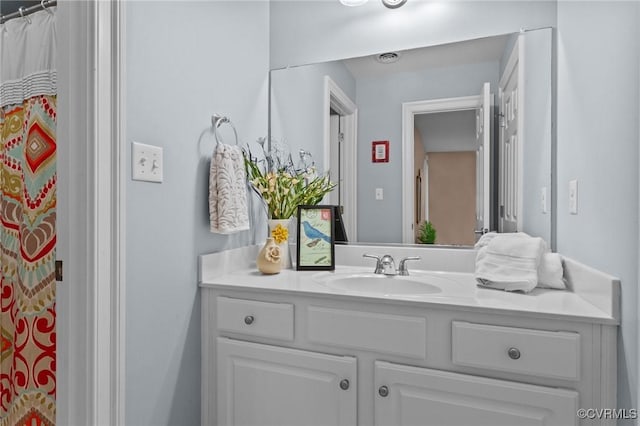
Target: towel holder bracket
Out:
[218,120]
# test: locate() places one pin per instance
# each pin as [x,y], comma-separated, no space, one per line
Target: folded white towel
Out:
[228,207]
[510,262]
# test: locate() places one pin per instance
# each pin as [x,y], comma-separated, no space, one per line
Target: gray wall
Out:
[447,131]
[379,103]
[309,31]
[297,103]
[537,132]
[598,138]
[185,61]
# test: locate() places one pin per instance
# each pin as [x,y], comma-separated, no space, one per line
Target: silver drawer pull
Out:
[249,319]
[383,391]
[344,384]
[514,353]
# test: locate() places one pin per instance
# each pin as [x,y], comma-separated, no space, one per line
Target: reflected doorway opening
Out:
[450,184]
[340,127]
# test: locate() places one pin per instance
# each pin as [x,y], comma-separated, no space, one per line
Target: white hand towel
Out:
[510,262]
[550,272]
[228,207]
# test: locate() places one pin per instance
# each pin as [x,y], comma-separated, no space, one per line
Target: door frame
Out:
[91,353]
[335,98]
[409,110]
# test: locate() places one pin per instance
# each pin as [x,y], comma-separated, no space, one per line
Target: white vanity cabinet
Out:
[261,385]
[419,396]
[284,358]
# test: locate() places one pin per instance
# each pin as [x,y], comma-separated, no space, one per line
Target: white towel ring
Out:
[217,120]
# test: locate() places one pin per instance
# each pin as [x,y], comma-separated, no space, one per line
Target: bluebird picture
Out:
[314,233]
[315,245]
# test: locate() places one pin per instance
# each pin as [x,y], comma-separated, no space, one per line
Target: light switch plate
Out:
[573,196]
[543,200]
[379,194]
[146,162]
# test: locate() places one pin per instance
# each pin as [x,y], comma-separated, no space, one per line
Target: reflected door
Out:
[483,161]
[510,146]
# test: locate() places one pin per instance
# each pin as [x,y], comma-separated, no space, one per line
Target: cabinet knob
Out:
[249,319]
[383,391]
[514,353]
[344,384]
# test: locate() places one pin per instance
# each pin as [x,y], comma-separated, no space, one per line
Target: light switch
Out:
[146,162]
[573,196]
[543,200]
[379,194]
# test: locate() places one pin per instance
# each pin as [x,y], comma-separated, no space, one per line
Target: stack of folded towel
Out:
[228,207]
[517,262]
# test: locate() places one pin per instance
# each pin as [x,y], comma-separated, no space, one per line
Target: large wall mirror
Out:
[459,135]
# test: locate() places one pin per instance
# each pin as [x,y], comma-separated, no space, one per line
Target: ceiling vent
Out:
[388,57]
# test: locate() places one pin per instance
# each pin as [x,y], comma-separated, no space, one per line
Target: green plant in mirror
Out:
[282,185]
[426,233]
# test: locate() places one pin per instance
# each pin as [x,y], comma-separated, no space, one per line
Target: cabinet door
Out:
[420,396]
[270,385]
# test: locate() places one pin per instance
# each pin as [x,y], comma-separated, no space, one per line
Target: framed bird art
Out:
[316,239]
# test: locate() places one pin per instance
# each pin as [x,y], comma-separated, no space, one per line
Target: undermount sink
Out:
[377,283]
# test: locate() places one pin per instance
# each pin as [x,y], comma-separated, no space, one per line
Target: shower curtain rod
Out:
[24,11]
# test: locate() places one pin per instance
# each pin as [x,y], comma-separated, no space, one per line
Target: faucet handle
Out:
[378,264]
[402,268]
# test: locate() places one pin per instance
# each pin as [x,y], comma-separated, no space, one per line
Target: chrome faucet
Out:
[386,265]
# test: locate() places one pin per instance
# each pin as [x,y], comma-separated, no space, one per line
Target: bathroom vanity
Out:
[309,348]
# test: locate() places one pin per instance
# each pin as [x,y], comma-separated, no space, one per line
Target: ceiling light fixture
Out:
[393,4]
[353,2]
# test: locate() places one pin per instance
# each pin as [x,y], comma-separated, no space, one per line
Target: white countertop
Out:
[234,270]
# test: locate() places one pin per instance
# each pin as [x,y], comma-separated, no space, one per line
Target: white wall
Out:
[598,138]
[184,61]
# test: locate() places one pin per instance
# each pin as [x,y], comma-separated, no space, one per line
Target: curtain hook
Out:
[21,11]
[46,6]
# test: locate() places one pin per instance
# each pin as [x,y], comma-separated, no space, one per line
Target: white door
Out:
[510,146]
[266,385]
[411,396]
[483,161]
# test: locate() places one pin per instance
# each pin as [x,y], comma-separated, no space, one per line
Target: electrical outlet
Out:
[146,162]
[543,200]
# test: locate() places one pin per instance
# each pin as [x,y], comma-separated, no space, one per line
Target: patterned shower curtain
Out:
[28,220]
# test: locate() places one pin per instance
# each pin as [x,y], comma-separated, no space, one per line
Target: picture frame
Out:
[380,151]
[315,249]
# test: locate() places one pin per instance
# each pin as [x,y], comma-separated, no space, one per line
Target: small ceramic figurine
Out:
[268,260]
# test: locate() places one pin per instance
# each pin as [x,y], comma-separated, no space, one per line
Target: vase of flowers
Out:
[284,186]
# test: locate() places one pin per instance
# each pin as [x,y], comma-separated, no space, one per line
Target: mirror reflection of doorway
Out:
[445,146]
[341,118]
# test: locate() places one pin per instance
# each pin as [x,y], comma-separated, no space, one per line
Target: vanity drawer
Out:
[370,331]
[554,354]
[254,318]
